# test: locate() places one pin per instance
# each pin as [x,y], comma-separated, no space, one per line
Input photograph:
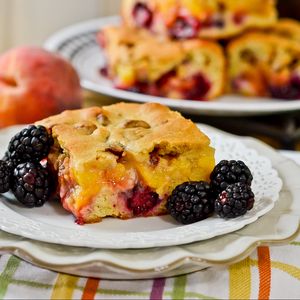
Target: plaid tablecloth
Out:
[269,273]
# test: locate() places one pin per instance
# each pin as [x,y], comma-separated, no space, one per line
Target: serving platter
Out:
[278,226]
[78,44]
[52,224]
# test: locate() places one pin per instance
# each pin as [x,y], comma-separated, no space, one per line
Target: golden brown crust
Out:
[136,128]
[230,17]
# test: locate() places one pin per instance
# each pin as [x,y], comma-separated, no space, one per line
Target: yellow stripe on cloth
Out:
[240,280]
[289,269]
[64,287]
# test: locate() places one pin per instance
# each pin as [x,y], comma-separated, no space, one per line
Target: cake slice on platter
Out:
[264,64]
[140,62]
[287,28]
[124,160]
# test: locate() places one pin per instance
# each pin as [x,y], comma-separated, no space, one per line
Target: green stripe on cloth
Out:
[7,274]
[121,293]
[179,287]
[295,243]
[192,295]
[33,284]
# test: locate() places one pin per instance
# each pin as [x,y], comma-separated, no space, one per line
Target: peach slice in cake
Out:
[140,62]
[124,160]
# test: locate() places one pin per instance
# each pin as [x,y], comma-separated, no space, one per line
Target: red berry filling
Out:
[104,71]
[196,87]
[185,28]
[142,15]
[142,201]
[238,18]
[289,91]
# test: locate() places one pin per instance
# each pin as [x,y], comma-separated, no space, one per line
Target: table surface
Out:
[263,275]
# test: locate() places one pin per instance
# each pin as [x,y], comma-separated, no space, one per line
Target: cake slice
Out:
[124,160]
[287,28]
[264,64]
[137,61]
[183,19]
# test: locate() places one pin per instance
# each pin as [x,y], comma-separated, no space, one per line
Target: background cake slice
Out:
[140,62]
[124,160]
[264,64]
[287,28]
[214,19]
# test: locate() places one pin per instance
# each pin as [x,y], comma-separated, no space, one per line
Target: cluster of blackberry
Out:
[21,170]
[229,194]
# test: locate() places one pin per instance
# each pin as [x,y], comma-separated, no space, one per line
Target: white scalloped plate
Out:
[78,44]
[52,224]
[279,226]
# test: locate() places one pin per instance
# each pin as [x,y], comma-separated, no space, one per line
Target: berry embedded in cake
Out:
[182,19]
[140,62]
[264,64]
[124,160]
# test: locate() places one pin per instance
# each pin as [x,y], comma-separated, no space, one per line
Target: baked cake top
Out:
[134,128]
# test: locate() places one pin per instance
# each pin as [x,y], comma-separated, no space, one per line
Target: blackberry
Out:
[235,201]
[31,144]
[229,172]
[11,163]
[5,177]
[191,202]
[31,184]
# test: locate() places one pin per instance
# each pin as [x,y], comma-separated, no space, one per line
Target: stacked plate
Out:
[78,44]
[158,246]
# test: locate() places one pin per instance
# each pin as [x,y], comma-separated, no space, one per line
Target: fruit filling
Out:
[288,91]
[133,196]
[142,200]
[142,15]
[195,87]
[185,28]
[263,86]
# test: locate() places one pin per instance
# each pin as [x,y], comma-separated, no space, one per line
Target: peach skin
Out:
[35,84]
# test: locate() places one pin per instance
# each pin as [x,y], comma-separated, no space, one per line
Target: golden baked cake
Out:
[287,28]
[124,160]
[182,19]
[264,64]
[140,62]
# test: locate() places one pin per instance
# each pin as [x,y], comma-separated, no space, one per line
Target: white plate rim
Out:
[105,265]
[15,223]
[228,105]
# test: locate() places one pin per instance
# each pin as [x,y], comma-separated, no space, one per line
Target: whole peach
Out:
[35,84]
